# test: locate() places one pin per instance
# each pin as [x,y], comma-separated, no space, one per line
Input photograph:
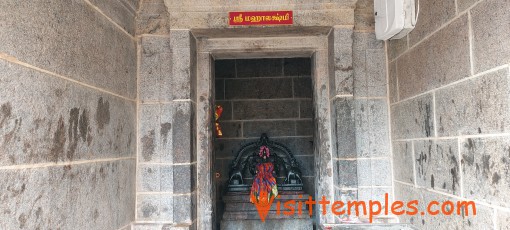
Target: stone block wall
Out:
[67,114]
[449,92]
[166,158]
[363,153]
[272,96]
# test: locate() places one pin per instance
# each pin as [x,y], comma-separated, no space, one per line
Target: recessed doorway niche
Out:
[272,96]
[211,46]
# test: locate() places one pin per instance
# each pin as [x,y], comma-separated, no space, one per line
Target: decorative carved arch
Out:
[247,158]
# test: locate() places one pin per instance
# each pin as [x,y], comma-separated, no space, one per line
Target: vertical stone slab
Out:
[372,128]
[185,180]
[393,82]
[182,64]
[148,143]
[374,172]
[166,138]
[184,209]
[346,174]
[156,131]
[345,130]
[364,40]
[345,195]
[370,80]
[149,178]
[403,162]
[155,178]
[369,65]
[181,75]
[341,48]
[182,132]
[324,149]
[205,188]
[167,125]
[155,68]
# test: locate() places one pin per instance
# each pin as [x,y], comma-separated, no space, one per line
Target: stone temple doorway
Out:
[272,96]
[213,48]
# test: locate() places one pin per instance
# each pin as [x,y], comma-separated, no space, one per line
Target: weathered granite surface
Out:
[297,224]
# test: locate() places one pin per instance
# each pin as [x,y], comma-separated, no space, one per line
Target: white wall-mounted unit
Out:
[394,19]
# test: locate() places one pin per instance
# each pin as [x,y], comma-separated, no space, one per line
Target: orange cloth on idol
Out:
[264,185]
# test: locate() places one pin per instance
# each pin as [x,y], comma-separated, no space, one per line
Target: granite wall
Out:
[449,92]
[363,153]
[87,81]
[166,169]
[67,114]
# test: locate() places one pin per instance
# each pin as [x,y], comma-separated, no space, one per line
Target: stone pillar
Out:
[323,133]
[184,150]
[205,190]
[371,117]
[166,192]
[342,109]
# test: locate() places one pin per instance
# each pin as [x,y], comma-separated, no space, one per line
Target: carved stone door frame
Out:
[212,45]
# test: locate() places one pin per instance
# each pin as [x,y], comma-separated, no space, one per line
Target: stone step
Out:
[370,226]
[254,215]
[294,224]
[248,206]
[245,197]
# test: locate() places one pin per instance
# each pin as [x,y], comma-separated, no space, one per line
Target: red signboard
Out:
[260,18]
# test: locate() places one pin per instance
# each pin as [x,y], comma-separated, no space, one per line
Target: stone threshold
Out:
[370,226]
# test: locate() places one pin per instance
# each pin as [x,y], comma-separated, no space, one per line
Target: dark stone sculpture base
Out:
[240,213]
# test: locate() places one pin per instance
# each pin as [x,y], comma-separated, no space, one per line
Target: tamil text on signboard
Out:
[260,18]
